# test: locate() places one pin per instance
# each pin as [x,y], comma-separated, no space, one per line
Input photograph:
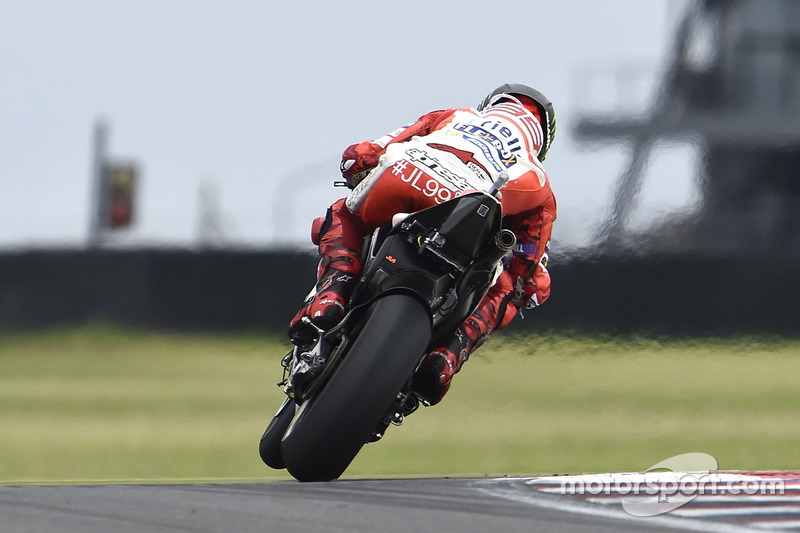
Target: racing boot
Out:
[432,379]
[325,307]
[339,234]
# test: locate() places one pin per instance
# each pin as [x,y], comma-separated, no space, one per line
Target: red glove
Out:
[531,281]
[358,160]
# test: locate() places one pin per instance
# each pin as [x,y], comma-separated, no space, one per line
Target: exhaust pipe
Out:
[505,240]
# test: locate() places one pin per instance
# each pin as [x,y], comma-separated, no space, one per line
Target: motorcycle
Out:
[423,276]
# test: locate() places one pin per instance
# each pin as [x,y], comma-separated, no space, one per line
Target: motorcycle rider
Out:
[443,154]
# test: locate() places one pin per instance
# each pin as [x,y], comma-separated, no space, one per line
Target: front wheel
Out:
[330,429]
[269,447]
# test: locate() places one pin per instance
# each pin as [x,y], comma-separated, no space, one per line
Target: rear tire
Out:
[330,429]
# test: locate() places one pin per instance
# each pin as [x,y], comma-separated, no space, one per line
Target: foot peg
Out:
[405,403]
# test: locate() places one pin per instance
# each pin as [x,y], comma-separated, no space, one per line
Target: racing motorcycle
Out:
[423,275]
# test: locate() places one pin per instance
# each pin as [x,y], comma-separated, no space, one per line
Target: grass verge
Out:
[104,405]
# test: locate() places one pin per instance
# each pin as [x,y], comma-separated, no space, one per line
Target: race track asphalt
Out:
[385,505]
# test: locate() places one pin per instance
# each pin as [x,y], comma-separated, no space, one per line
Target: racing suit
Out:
[444,154]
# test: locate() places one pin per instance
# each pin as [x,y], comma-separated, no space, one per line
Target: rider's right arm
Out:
[423,126]
[358,159]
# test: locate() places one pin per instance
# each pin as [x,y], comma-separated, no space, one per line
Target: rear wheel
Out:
[330,429]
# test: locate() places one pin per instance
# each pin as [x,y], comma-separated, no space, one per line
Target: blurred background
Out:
[161,162]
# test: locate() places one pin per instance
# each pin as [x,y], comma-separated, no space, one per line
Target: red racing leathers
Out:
[442,155]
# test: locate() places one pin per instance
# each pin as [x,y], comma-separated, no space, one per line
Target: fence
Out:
[216,290]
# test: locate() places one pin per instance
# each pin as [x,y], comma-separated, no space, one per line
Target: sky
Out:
[254,101]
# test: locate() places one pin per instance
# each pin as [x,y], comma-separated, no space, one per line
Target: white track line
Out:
[528,495]
[718,497]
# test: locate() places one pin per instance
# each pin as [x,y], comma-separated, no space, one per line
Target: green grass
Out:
[99,404]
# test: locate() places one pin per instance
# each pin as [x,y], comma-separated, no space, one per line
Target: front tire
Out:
[330,429]
[269,447]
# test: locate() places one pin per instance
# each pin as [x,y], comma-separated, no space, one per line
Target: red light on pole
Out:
[120,183]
